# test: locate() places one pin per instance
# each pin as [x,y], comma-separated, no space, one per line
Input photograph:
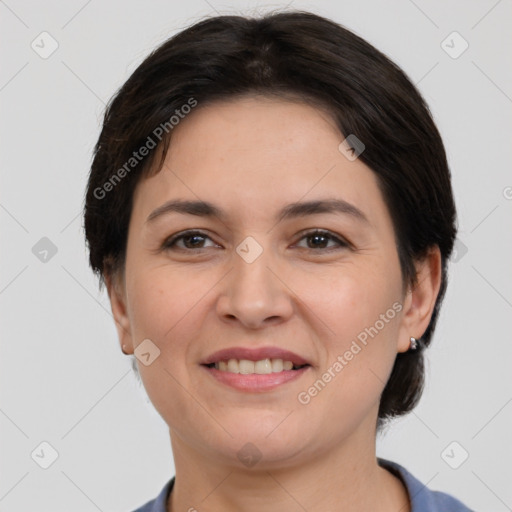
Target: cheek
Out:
[164,308]
[160,304]
[169,307]
[360,310]
[349,298]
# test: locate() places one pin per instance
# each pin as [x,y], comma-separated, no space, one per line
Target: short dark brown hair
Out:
[283,54]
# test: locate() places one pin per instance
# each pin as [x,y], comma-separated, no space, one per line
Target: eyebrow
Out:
[293,210]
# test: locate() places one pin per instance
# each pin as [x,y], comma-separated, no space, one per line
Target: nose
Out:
[255,294]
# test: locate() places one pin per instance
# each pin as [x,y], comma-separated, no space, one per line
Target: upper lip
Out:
[255,354]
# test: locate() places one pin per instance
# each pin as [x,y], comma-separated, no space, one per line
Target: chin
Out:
[272,443]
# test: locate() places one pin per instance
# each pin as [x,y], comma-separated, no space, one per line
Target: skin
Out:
[251,156]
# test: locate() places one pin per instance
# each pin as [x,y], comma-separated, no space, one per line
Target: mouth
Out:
[255,370]
[260,367]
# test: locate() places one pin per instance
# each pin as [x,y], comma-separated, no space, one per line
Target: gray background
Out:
[63,377]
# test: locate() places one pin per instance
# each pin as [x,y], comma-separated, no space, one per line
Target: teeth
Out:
[246,367]
[262,367]
[277,365]
[232,366]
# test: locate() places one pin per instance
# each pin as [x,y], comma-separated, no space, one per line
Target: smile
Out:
[249,380]
[254,369]
[261,367]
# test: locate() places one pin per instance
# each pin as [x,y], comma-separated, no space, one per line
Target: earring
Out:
[414,344]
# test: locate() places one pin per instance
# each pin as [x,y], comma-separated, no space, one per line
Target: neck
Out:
[348,474]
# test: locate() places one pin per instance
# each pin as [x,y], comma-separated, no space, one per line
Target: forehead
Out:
[271,129]
[259,152]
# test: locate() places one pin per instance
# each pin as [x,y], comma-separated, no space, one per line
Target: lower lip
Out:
[256,382]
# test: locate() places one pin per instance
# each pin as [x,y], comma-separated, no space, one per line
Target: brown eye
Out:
[191,240]
[320,238]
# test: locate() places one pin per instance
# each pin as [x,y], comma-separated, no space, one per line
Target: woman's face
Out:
[258,284]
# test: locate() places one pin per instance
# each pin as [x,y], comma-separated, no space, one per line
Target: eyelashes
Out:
[171,243]
[320,233]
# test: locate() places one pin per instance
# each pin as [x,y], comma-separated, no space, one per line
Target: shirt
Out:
[422,499]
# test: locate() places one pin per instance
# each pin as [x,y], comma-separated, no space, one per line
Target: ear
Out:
[420,300]
[117,295]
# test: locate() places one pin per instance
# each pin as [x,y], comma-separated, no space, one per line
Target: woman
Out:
[270,208]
